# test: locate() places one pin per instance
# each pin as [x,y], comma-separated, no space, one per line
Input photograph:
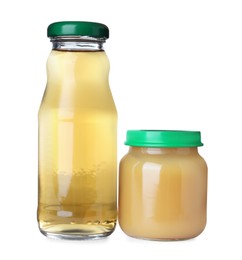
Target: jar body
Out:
[77,146]
[162,193]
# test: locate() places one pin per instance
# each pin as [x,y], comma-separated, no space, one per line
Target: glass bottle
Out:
[77,136]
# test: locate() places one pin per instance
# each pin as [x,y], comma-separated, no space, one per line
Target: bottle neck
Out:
[77,62]
[77,43]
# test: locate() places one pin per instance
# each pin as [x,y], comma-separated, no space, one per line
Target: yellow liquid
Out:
[77,148]
[163,193]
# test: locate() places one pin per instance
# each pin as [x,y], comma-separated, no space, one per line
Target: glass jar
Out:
[163,185]
[77,119]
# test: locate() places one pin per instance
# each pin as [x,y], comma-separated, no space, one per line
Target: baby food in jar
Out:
[163,185]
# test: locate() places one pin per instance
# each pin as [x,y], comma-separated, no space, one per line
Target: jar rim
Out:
[163,138]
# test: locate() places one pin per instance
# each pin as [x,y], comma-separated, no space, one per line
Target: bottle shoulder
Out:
[77,81]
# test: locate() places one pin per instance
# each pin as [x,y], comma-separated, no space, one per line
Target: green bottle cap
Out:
[68,28]
[163,138]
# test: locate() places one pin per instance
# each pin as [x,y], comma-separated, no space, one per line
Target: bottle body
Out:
[77,147]
[163,193]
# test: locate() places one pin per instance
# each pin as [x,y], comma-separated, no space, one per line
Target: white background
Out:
[174,65]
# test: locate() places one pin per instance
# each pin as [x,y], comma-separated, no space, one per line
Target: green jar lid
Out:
[163,138]
[72,28]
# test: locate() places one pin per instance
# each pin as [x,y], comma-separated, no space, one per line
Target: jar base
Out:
[80,232]
[165,239]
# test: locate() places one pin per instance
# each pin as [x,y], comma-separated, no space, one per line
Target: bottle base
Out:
[82,232]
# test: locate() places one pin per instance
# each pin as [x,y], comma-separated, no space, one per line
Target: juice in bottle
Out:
[77,136]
